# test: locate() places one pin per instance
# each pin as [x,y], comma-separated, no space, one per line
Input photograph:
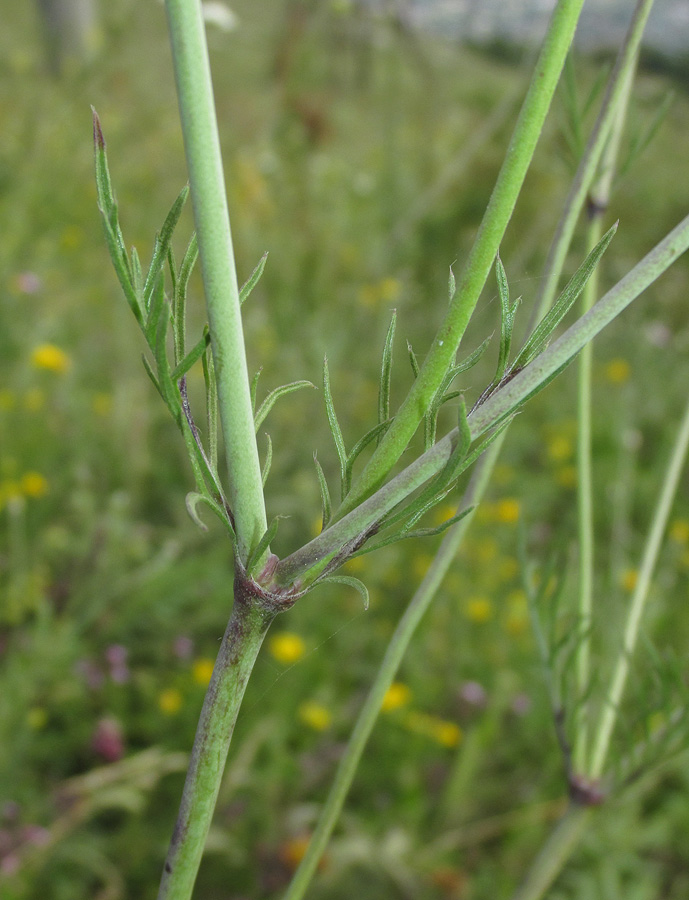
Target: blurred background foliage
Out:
[360,155]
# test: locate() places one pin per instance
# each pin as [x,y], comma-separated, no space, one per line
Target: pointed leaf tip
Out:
[98,138]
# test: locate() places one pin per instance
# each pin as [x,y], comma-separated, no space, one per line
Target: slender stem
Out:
[306,563]
[600,197]
[246,629]
[584,524]
[496,218]
[386,673]
[554,853]
[207,183]
[586,171]
[638,603]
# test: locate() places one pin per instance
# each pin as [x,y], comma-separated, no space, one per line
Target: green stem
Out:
[384,678]
[211,216]
[600,197]
[554,853]
[309,561]
[246,629]
[584,525]
[618,85]
[496,218]
[638,603]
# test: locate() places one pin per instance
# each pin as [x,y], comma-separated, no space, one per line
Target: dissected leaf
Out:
[335,427]
[192,357]
[507,314]
[211,406]
[162,242]
[356,583]
[269,459]
[151,374]
[263,545]
[360,445]
[253,279]
[472,358]
[385,373]
[192,501]
[543,331]
[642,139]
[276,393]
[421,532]
[413,360]
[451,286]
[111,226]
[254,387]
[180,284]
[326,505]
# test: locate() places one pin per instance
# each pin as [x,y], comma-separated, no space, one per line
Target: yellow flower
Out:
[33,484]
[396,696]
[443,512]
[566,477]
[36,718]
[508,510]
[202,670]
[101,403]
[447,734]
[315,715]
[679,531]
[508,568]
[170,701]
[478,609]
[387,290]
[292,851]
[657,721]
[486,550]
[286,647]
[443,732]
[50,358]
[628,579]
[10,490]
[617,371]
[559,448]
[72,237]
[517,618]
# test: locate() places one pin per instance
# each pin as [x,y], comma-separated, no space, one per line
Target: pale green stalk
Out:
[588,166]
[386,674]
[240,645]
[554,853]
[619,678]
[498,213]
[211,216]
[304,566]
[598,204]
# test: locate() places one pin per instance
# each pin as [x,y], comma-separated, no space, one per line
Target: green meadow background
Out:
[361,156]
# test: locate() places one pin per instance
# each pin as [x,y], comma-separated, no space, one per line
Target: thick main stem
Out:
[246,629]
[211,216]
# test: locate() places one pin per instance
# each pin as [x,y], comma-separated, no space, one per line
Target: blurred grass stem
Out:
[386,673]
[598,204]
[650,556]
